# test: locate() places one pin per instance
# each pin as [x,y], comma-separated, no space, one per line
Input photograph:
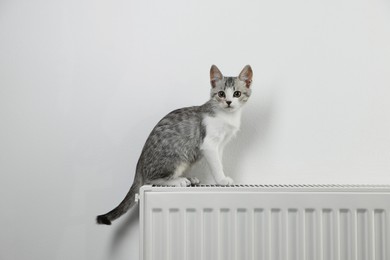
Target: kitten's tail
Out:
[124,206]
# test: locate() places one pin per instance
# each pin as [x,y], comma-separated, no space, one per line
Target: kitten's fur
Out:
[185,135]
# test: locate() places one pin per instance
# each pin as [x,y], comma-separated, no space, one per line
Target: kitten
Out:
[185,135]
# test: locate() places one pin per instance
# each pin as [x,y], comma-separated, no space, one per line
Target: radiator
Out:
[265,222]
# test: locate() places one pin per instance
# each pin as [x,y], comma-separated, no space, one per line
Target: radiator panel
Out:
[265,223]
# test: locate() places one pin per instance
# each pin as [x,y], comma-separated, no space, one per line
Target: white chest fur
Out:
[220,129]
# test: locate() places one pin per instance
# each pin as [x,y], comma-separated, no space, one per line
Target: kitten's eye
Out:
[236,94]
[221,94]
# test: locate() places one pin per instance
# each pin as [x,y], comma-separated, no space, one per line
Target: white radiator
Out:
[265,222]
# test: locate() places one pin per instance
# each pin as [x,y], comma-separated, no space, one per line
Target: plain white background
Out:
[82,83]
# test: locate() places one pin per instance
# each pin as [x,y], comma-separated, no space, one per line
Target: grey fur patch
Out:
[176,139]
[229,82]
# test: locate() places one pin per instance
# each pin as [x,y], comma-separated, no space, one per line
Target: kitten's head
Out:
[231,93]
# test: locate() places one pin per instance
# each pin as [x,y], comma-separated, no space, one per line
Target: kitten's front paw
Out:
[225,181]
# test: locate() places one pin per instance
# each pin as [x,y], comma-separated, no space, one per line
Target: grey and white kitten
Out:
[186,135]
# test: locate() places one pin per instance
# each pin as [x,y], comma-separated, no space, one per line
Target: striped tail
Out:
[127,203]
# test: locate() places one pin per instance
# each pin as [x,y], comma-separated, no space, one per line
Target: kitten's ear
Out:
[246,75]
[215,75]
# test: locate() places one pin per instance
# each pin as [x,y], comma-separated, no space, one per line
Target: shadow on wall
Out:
[125,229]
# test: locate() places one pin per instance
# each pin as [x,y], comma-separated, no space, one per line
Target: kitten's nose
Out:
[228,102]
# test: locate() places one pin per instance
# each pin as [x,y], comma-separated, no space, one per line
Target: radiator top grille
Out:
[277,187]
[343,186]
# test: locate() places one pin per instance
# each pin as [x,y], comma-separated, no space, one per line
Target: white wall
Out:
[82,83]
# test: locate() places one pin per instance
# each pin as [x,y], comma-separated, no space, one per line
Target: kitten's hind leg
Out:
[176,178]
[194,181]
[177,182]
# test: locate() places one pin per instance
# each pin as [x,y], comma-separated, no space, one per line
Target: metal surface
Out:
[265,222]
